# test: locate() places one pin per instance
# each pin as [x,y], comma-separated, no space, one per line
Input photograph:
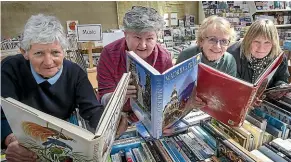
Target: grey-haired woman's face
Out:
[46,59]
[141,43]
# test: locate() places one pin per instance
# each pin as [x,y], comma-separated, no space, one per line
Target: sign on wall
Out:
[89,32]
[71,26]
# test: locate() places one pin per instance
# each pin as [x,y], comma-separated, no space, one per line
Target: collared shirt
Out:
[112,64]
[40,79]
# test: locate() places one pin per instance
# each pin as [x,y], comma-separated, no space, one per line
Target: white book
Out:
[45,134]
[261,156]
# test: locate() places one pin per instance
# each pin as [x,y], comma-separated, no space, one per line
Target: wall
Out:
[181,7]
[15,14]
[108,13]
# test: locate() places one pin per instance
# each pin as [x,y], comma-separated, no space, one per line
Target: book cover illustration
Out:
[54,139]
[218,90]
[162,99]
[49,143]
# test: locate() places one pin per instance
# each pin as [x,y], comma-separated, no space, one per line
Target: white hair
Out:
[43,29]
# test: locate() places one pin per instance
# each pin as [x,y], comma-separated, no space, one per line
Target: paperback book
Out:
[54,139]
[218,90]
[162,99]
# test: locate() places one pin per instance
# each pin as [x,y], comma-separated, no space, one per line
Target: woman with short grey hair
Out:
[141,28]
[41,78]
[43,29]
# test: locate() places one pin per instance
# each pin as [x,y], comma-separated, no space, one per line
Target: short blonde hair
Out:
[261,28]
[216,23]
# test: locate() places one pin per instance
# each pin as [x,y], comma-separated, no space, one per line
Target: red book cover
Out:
[228,98]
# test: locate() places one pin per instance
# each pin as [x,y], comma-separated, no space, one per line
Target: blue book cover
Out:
[274,122]
[162,99]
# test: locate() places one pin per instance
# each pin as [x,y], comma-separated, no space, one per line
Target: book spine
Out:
[148,152]
[270,154]
[142,154]
[281,146]
[175,150]
[157,106]
[186,139]
[277,152]
[232,152]
[204,147]
[129,156]
[154,151]
[201,136]
[169,151]
[185,149]
[137,155]
[256,122]
[186,158]
[230,132]
[162,150]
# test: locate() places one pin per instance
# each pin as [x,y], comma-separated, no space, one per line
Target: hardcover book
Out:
[162,99]
[218,90]
[54,139]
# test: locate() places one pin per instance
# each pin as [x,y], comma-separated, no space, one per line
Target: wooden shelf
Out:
[277,10]
[283,26]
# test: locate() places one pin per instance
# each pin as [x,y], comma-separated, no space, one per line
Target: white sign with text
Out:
[89,32]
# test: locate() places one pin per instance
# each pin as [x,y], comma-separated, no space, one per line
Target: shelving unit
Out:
[283,26]
[275,10]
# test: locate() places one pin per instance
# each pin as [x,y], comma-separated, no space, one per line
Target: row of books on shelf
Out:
[279,18]
[270,5]
[264,136]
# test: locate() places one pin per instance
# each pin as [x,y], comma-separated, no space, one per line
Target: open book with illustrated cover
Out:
[54,139]
[162,99]
[228,98]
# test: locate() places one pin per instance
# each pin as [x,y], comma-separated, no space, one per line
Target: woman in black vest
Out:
[256,51]
[41,78]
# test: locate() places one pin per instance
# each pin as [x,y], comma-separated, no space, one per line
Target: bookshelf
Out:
[237,13]
[274,10]
[283,26]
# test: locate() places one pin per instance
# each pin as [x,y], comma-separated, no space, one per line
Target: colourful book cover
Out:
[219,90]
[162,99]
[54,139]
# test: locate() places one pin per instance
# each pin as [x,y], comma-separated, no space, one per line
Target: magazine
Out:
[228,98]
[162,99]
[54,139]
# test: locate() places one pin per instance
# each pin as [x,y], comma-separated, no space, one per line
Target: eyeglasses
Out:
[214,40]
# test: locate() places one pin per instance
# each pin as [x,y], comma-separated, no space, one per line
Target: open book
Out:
[162,99]
[228,98]
[54,139]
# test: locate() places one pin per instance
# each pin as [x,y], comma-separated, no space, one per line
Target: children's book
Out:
[162,99]
[54,139]
[229,98]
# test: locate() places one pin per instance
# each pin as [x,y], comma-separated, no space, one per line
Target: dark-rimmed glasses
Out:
[214,40]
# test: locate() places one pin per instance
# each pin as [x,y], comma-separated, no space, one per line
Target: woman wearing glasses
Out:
[214,37]
[257,50]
